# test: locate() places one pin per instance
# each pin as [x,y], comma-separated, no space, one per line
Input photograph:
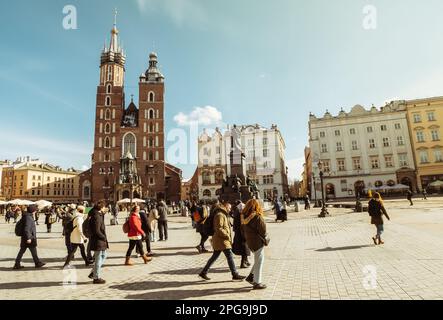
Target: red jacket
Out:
[135,226]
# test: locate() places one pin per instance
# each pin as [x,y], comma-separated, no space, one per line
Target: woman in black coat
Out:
[239,246]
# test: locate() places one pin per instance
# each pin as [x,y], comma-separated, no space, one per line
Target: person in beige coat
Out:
[153,222]
[77,237]
[221,240]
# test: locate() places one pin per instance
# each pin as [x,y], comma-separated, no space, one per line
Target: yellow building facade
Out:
[40,181]
[425,119]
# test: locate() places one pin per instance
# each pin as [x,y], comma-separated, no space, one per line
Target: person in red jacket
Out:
[135,235]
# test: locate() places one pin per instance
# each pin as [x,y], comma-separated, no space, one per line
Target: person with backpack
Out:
[254,229]
[376,210]
[409,197]
[239,246]
[135,236]
[98,240]
[163,221]
[77,237]
[219,227]
[26,230]
[199,216]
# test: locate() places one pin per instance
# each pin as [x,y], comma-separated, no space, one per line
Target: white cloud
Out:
[295,168]
[181,12]
[85,167]
[204,116]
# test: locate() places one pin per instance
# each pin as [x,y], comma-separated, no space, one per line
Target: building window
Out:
[151,156]
[324,148]
[206,177]
[420,136]
[265,153]
[151,181]
[400,141]
[403,160]
[369,129]
[341,165]
[151,97]
[339,146]
[219,176]
[107,142]
[322,134]
[108,88]
[378,184]
[129,144]
[151,114]
[268,179]
[435,135]
[383,127]
[417,118]
[352,131]
[386,142]
[356,163]
[438,155]
[250,142]
[206,152]
[108,101]
[337,133]
[107,114]
[326,166]
[374,163]
[424,157]
[344,185]
[371,143]
[265,141]
[217,150]
[206,193]
[354,145]
[107,128]
[397,126]
[388,162]
[431,116]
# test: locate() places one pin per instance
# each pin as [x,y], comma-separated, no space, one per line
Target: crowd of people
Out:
[238,229]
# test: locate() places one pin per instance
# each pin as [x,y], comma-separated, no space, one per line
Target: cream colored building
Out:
[361,149]
[425,118]
[34,181]
[264,150]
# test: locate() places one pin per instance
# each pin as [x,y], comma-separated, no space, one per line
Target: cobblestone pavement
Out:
[308,258]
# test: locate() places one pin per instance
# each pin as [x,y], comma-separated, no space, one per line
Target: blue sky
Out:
[254,61]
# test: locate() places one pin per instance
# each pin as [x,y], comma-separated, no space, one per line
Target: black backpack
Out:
[69,227]
[20,227]
[373,208]
[86,226]
[208,225]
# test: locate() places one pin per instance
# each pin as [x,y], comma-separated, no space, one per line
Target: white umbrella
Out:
[2,203]
[43,204]
[126,200]
[19,202]
[436,183]
[136,200]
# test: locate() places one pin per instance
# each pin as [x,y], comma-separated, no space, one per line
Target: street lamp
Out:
[315,189]
[324,211]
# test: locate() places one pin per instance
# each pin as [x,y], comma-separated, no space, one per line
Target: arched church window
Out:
[107,142]
[108,88]
[151,114]
[107,128]
[151,97]
[108,101]
[107,114]
[129,144]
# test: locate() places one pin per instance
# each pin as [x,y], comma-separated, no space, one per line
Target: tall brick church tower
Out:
[129,151]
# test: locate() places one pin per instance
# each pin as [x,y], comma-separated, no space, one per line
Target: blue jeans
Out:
[214,257]
[100,257]
[257,268]
[379,230]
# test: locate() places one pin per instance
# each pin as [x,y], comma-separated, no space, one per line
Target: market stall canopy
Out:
[19,202]
[135,200]
[43,204]
[436,184]
[3,203]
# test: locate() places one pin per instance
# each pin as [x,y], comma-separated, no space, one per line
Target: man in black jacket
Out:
[99,241]
[163,220]
[146,228]
[28,238]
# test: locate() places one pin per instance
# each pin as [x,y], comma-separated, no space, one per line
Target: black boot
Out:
[243,262]
[250,278]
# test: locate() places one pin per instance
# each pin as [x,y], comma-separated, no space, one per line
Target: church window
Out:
[151,114]
[107,114]
[107,128]
[108,101]
[151,97]
[129,144]
[107,142]
[108,88]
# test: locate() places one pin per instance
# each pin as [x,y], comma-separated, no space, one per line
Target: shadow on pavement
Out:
[25,285]
[195,271]
[185,294]
[152,285]
[345,248]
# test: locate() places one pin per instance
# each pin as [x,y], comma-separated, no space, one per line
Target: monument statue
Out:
[236,140]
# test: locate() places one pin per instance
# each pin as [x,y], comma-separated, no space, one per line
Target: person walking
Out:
[99,241]
[199,216]
[307,203]
[146,227]
[135,236]
[28,233]
[284,209]
[9,215]
[277,209]
[376,210]
[254,229]
[409,196]
[77,238]
[239,246]
[153,221]
[425,194]
[221,240]
[163,221]
[67,219]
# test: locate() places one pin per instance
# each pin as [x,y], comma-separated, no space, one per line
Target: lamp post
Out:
[324,211]
[315,189]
